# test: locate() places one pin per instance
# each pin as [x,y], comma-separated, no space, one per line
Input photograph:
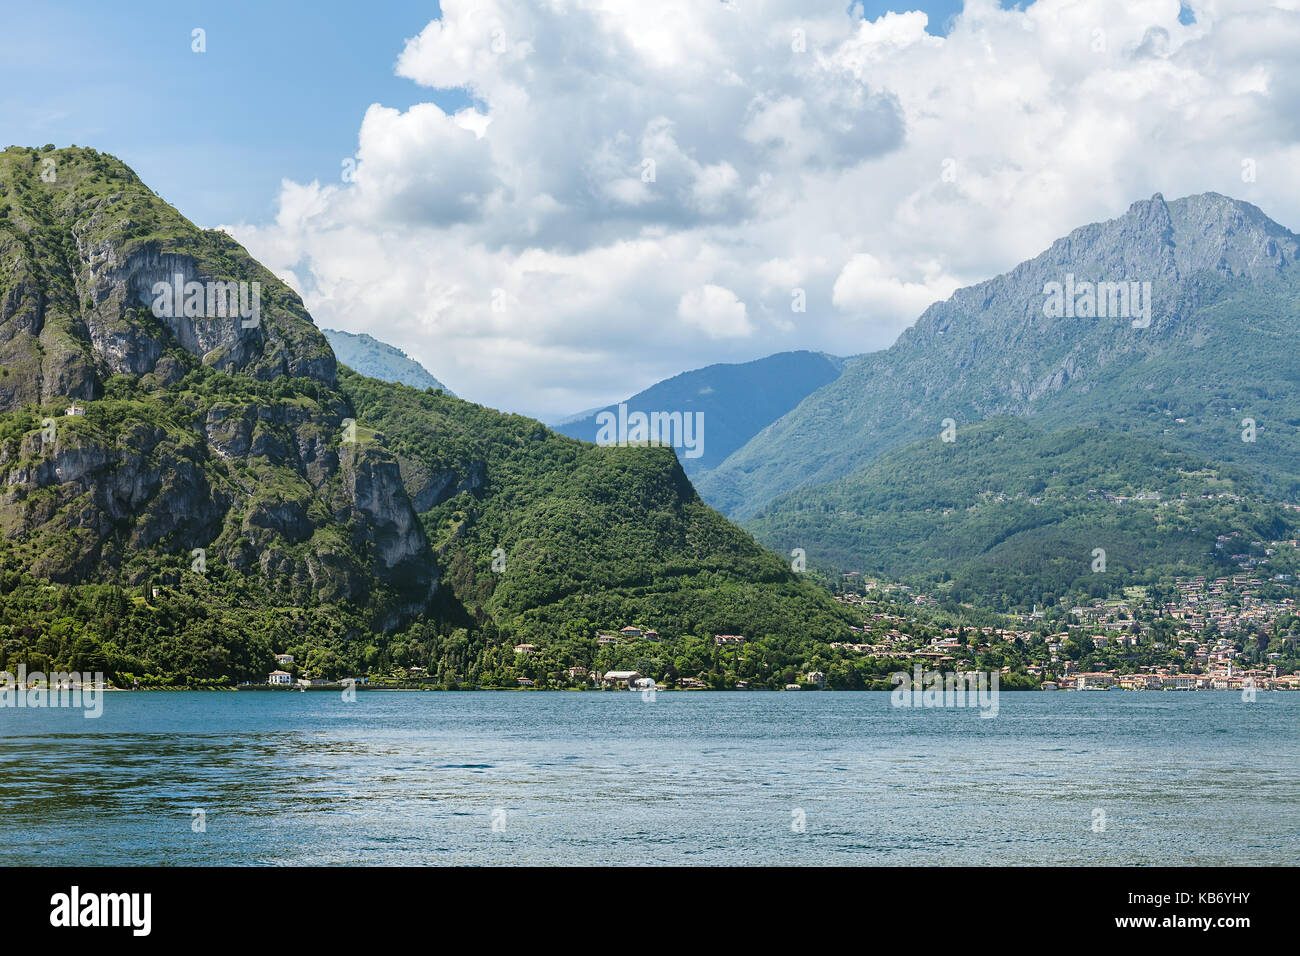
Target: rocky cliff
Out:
[171,399]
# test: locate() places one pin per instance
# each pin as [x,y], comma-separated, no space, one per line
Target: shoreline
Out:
[264,688]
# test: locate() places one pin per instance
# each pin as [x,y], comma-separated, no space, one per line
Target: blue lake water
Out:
[704,778]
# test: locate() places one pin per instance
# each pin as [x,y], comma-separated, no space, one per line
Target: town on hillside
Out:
[1228,633]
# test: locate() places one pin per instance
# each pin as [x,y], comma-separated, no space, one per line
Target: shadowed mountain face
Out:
[736,401]
[1214,347]
[202,422]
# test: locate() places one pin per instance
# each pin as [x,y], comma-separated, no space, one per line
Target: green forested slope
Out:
[1008,515]
[229,491]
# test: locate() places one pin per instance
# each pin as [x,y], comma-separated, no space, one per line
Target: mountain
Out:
[83,243]
[221,433]
[1011,515]
[576,417]
[189,481]
[1224,296]
[375,359]
[735,400]
[585,535]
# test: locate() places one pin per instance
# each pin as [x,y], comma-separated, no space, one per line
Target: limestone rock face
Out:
[391,528]
[81,257]
[429,489]
[169,454]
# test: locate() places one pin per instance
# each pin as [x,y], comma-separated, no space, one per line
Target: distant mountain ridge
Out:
[737,400]
[369,356]
[1219,349]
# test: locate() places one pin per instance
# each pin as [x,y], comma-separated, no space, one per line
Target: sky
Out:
[553,204]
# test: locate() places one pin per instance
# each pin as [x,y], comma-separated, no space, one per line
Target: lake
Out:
[683,778]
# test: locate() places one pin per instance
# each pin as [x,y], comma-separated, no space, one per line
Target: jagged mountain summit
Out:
[1182,324]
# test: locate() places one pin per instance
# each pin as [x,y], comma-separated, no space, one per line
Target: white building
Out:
[619,678]
[279,677]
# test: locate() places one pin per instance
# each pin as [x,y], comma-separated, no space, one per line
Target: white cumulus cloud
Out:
[716,311]
[645,186]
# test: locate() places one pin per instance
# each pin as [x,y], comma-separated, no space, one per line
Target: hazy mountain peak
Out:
[733,400]
[375,359]
[1226,235]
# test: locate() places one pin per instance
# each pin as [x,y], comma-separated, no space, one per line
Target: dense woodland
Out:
[1008,515]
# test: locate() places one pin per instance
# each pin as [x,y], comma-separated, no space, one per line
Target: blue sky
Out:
[278,94]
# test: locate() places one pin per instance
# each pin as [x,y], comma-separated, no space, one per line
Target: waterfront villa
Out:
[280,678]
[619,678]
[1094,681]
